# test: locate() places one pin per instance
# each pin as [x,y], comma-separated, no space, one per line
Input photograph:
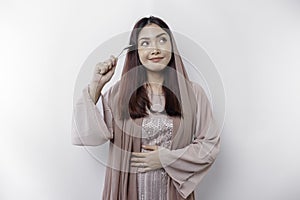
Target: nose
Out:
[155,51]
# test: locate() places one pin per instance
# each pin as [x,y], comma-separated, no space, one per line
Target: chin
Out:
[155,68]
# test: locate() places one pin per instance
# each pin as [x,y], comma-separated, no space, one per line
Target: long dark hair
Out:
[133,99]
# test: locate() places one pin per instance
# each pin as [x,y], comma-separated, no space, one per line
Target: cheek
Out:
[168,51]
[168,55]
[142,55]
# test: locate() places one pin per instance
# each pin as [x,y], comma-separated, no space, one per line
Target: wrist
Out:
[95,86]
[94,92]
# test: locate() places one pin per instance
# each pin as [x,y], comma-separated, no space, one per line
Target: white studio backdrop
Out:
[254,45]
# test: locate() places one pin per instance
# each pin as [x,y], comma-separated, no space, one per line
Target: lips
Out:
[157,59]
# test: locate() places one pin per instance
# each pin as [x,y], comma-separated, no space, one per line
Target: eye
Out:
[144,43]
[163,40]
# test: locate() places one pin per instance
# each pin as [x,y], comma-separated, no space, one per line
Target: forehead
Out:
[151,31]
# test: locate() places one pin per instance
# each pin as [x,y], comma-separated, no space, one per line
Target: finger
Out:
[143,170]
[103,71]
[142,155]
[103,68]
[137,160]
[150,147]
[111,61]
[110,72]
[114,60]
[108,64]
[142,165]
[98,68]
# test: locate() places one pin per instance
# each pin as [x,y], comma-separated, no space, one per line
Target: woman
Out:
[162,135]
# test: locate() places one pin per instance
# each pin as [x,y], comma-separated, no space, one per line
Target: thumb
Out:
[150,147]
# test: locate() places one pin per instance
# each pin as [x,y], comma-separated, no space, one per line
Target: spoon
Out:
[125,48]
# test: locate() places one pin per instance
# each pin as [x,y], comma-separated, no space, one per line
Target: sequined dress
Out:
[156,130]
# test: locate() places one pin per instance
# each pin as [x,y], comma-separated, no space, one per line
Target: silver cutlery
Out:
[125,48]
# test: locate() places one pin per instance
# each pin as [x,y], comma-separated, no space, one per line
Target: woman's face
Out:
[154,48]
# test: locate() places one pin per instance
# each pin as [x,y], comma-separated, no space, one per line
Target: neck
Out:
[155,80]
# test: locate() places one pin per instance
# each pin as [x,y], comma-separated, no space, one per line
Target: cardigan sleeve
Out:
[187,166]
[89,126]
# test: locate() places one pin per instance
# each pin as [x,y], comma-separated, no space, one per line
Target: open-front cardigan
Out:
[194,144]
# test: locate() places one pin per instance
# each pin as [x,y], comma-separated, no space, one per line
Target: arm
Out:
[89,128]
[88,125]
[187,166]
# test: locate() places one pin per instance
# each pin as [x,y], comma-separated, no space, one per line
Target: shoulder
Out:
[197,89]
[200,94]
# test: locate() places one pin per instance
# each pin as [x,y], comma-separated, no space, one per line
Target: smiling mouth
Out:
[156,59]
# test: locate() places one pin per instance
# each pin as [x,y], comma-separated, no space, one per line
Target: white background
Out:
[254,44]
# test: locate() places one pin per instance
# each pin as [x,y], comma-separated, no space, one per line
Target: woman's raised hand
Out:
[102,74]
[105,70]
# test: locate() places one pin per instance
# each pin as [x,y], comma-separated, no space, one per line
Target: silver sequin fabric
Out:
[156,130]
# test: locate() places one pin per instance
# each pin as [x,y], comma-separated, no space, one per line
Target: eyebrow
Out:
[156,36]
